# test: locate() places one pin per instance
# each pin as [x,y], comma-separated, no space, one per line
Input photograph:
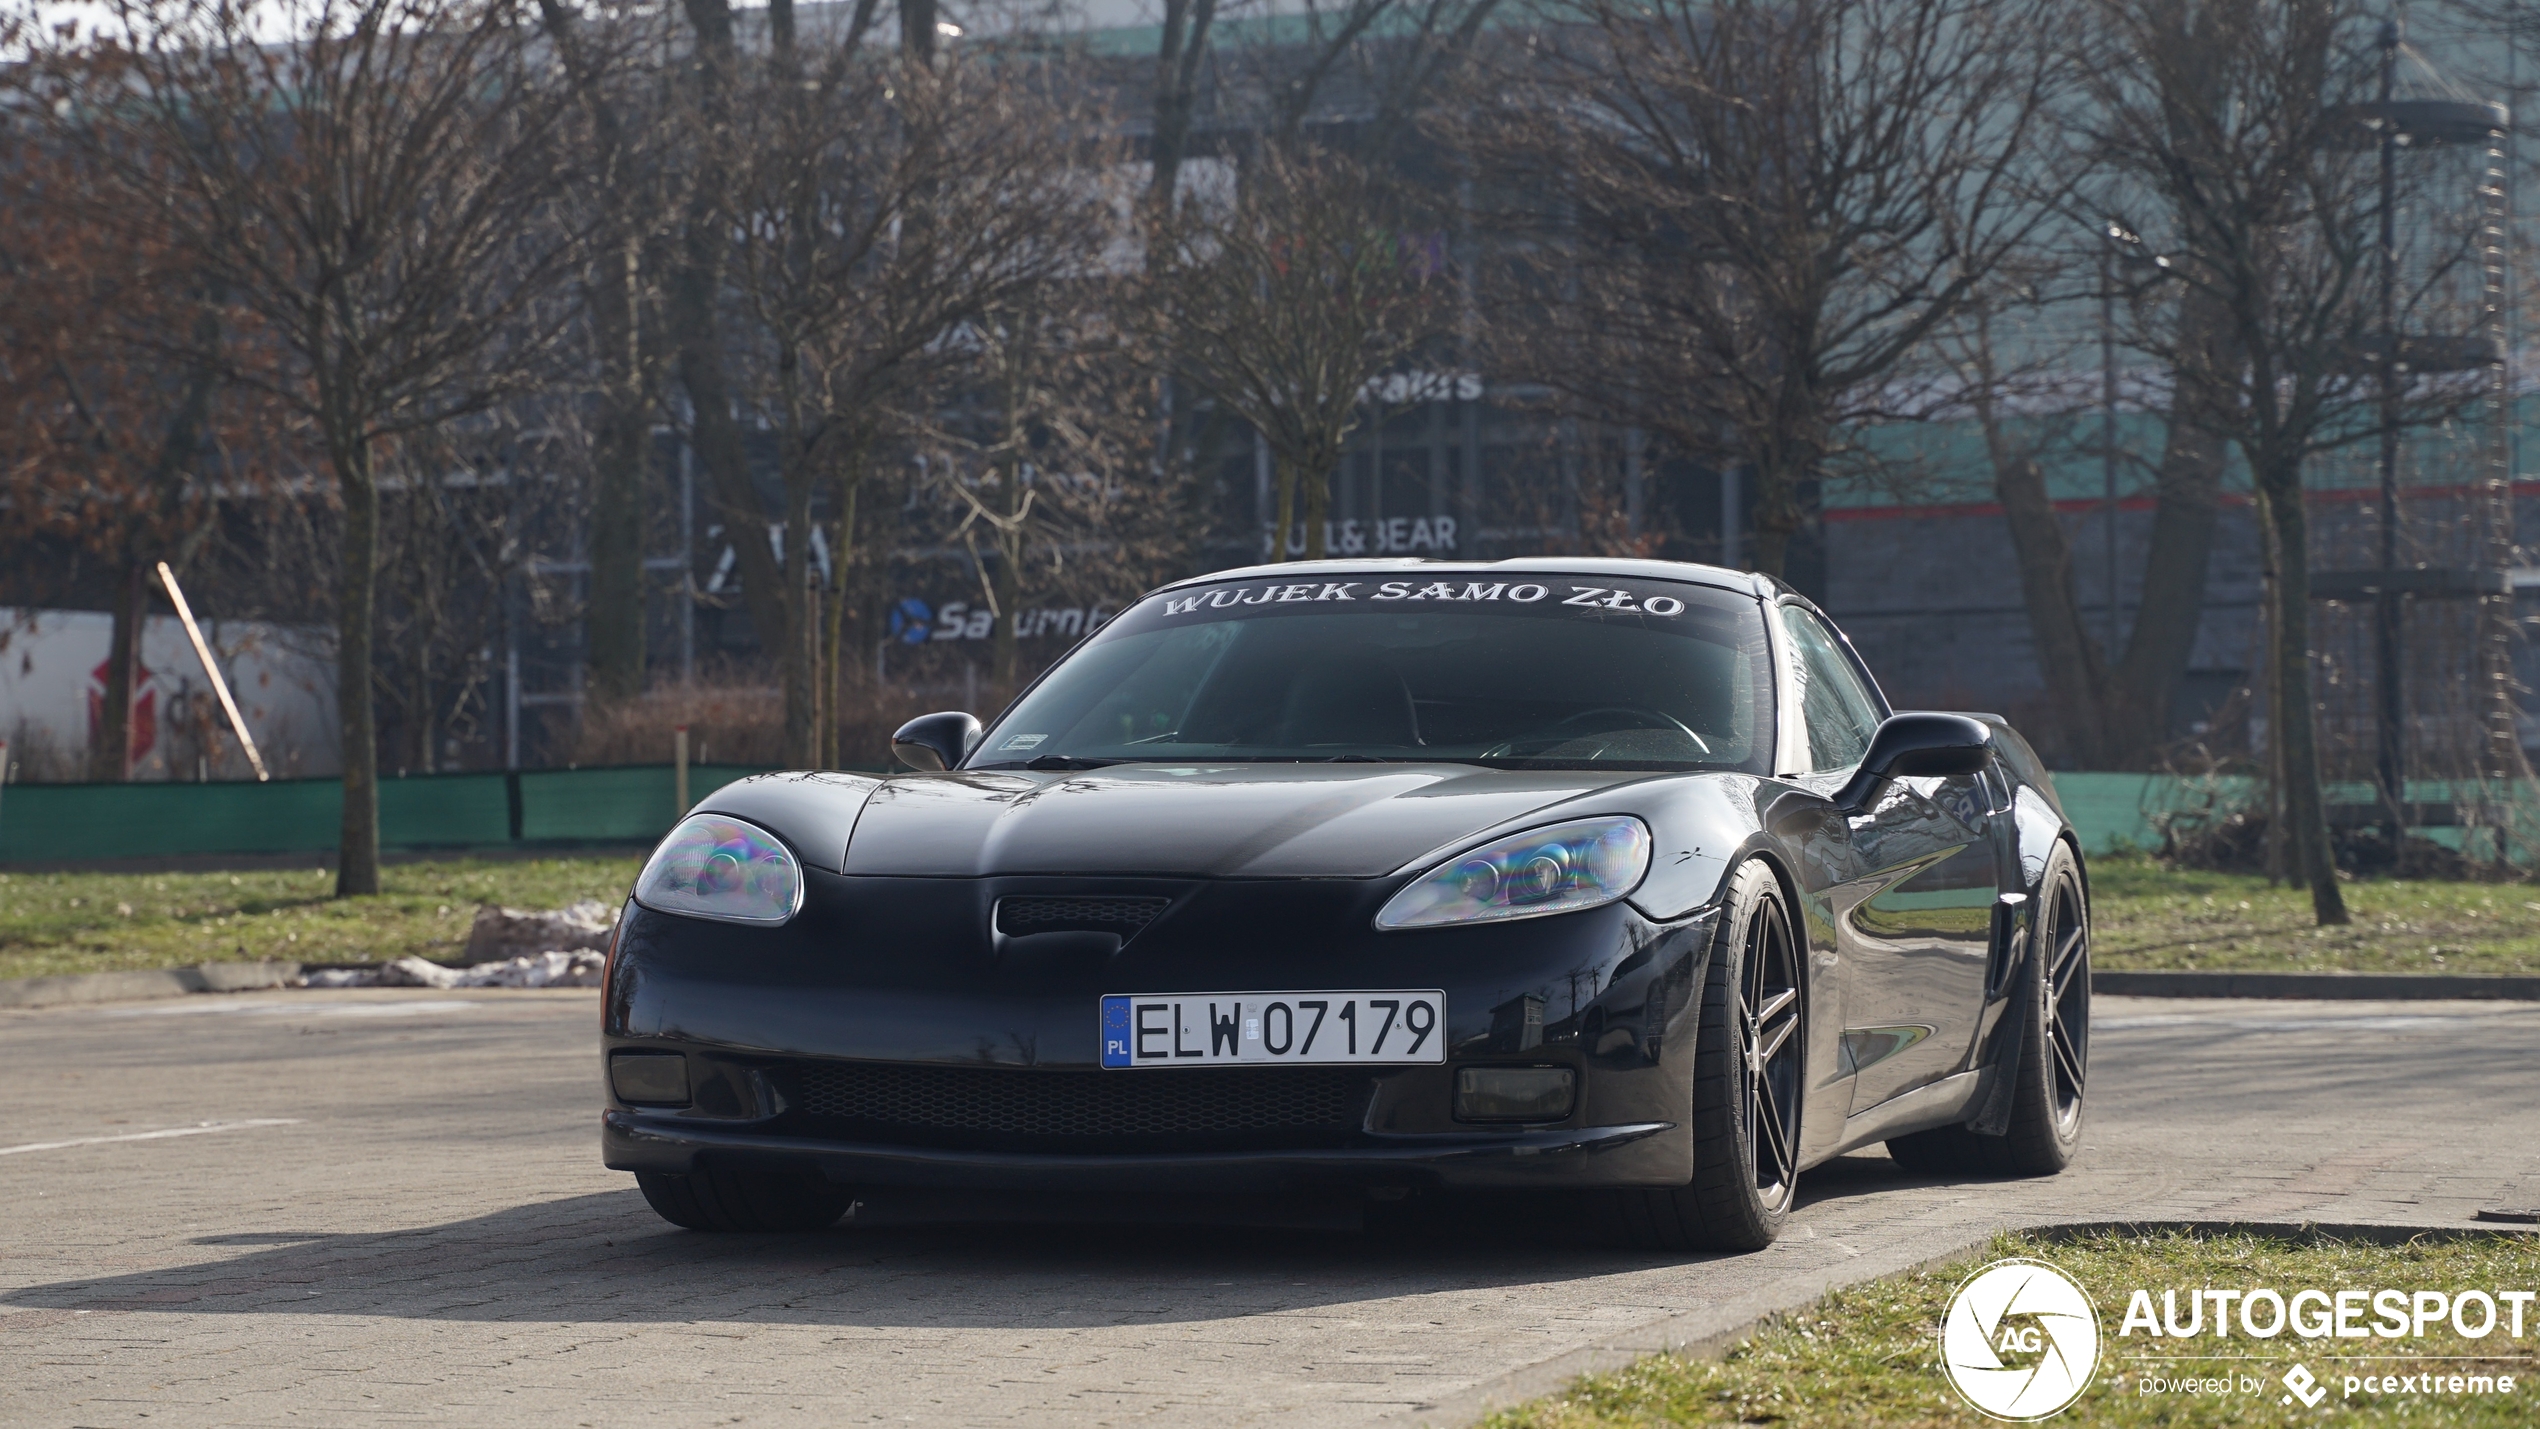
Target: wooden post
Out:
[679,767]
[220,687]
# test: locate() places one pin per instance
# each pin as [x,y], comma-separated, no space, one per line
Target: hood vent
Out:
[1026,915]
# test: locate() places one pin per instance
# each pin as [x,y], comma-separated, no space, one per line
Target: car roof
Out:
[1762,587]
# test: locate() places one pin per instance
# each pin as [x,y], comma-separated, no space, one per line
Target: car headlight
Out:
[1557,869]
[716,866]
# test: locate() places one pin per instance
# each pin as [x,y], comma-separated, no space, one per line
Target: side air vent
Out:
[1023,916]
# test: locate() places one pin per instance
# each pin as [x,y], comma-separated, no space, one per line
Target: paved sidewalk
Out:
[415,1227]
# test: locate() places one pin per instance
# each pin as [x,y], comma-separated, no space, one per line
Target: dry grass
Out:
[2147,916]
[1869,1355]
[2151,917]
[103,922]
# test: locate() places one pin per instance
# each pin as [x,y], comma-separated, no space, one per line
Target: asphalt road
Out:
[328,1208]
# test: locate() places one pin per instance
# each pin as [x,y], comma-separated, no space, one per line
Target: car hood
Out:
[1220,821]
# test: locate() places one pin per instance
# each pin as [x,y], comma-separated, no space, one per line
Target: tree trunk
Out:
[110,756]
[917,30]
[798,635]
[2279,863]
[357,585]
[1287,507]
[2188,489]
[1318,500]
[842,564]
[1179,49]
[2070,660]
[2113,709]
[694,290]
[2297,714]
[1778,516]
[824,676]
[614,620]
[1005,651]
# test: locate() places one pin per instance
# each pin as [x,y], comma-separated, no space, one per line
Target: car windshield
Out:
[1543,671]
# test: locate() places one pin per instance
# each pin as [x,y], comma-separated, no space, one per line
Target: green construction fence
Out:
[624,805]
[634,804]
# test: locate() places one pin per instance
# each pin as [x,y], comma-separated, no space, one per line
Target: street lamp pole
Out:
[2108,429]
[2387,654]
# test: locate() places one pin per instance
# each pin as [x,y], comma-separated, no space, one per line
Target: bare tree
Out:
[1037,450]
[1182,47]
[1348,76]
[880,208]
[380,189]
[2019,368]
[627,189]
[693,315]
[1741,219]
[2234,152]
[1285,305]
[453,513]
[111,403]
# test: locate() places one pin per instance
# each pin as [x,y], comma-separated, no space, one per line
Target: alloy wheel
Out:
[2066,937]
[1768,1013]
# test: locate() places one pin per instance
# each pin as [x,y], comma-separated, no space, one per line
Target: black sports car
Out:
[1379,876]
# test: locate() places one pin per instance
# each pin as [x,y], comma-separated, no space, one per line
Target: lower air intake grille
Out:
[991,1107]
[1022,916]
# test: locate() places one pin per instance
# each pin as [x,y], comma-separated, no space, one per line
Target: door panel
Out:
[1820,853]
[1915,943]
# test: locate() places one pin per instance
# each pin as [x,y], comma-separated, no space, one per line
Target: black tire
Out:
[1749,1051]
[2050,1072]
[721,1198]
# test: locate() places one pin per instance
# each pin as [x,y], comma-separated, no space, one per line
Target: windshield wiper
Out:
[1069,761]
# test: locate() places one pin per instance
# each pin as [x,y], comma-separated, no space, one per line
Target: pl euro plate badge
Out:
[1220,1029]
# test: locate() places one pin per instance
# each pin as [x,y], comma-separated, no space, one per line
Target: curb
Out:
[1712,1333]
[1709,1333]
[2299,1232]
[2370,987]
[71,988]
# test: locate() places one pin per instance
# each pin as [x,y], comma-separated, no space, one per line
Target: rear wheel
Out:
[1748,1053]
[2051,1068]
[720,1198]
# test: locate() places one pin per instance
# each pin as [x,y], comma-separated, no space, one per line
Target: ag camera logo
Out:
[2020,1340]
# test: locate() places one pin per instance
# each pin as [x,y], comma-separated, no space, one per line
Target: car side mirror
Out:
[935,741]
[1915,745]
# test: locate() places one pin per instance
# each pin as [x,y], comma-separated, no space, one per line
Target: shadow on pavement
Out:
[608,1257]
[936,1261]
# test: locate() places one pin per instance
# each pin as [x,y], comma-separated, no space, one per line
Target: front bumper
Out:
[1582,1156]
[903,981]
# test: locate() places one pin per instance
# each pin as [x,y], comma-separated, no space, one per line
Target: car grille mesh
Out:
[1065,913]
[987,1106]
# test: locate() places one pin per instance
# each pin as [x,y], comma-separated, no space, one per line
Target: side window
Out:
[1836,707]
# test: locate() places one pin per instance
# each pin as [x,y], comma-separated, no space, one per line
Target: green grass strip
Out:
[1869,1355]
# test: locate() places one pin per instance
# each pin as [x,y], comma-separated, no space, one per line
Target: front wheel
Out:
[731,1198]
[2050,1067]
[1748,1055]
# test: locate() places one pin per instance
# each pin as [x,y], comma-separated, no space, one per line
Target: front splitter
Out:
[1633,1155]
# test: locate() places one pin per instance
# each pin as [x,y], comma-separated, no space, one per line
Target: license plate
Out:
[1209,1029]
